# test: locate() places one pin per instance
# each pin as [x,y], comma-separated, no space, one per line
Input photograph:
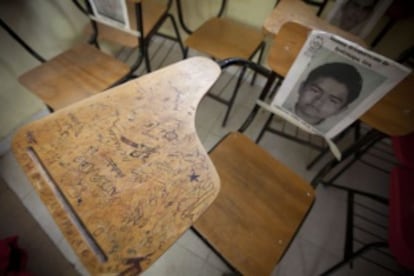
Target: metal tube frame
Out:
[21,42]
[359,147]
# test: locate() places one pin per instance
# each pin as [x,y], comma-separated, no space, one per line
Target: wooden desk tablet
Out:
[123,173]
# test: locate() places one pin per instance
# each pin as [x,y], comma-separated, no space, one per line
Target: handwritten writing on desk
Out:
[123,173]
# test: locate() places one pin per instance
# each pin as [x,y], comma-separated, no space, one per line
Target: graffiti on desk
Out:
[144,171]
[178,97]
[30,138]
[167,129]
[193,176]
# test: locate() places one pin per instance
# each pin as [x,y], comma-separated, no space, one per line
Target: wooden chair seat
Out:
[152,12]
[231,39]
[259,208]
[73,75]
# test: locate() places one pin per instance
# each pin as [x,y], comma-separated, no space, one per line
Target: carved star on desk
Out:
[193,176]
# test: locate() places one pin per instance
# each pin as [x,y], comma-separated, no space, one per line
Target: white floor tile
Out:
[177,261]
[194,244]
[328,211]
[14,176]
[304,258]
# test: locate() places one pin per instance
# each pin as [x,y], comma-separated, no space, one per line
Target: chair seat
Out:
[73,75]
[401,219]
[152,12]
[259,208]
[231,39]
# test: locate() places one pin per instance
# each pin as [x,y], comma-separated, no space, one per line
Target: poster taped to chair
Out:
[111,12]
[332,83]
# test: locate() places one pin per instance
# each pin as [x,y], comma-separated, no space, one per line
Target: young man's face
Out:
[320,99]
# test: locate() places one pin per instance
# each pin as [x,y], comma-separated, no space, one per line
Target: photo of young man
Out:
[327,90]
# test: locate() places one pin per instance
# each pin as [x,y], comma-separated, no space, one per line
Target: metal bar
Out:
[349,234]
[321,8]
[95,32]
[181,18]
[293,138]
[177,33]
[233,97]
[143,45]
[80,7]
[222,8]
[372,196]
[363,141]
[374,166]
[264,128]
[271,78]
[370,209]
[232,268]
[21,42]
[368,232]
[380,265]
[359,152]
[391,22]
[356,254]
[336,139]
[259,60]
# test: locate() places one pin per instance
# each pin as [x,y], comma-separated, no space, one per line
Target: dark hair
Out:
[341,72]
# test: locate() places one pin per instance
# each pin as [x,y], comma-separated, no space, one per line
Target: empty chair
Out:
[259,208]
[154,16]
[84,70]
[222,37]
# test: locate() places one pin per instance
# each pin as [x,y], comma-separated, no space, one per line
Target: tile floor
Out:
[318,244]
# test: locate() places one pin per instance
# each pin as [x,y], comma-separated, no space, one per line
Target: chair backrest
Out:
[357,78]
[286,46]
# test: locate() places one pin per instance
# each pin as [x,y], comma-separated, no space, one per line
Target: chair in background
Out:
[154,15]
[320,4]
[400,226]
[222,37]
[259,209]
[84,70]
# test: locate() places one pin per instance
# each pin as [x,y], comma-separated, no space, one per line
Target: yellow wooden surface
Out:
[73,75]
[300,12]
[224,38]
[394,113]
[259,209]
[286,46]
[129,163]
[152,12]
